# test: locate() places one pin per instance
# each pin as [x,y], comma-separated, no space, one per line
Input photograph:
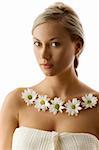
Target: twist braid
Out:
[76,62]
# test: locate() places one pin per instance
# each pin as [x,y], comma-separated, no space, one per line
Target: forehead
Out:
[50,30]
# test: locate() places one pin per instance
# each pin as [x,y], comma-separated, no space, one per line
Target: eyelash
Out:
[57,45]
[36,42]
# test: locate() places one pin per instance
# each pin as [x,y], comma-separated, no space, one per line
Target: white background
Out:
[18,66]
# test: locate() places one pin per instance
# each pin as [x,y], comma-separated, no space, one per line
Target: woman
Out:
[60,112]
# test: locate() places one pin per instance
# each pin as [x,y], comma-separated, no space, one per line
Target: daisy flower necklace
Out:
[72,106]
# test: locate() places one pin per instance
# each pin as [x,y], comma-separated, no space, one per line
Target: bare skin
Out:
[60,81]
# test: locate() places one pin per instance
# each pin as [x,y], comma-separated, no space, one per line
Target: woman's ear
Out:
[78,47]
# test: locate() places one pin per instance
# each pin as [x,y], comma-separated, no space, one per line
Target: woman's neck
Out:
[61,84]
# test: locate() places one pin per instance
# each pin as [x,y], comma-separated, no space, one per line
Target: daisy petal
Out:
[73,107]
[29,96]
[89,101]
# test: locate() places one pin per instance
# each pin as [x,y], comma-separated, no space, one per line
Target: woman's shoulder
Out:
[13,98]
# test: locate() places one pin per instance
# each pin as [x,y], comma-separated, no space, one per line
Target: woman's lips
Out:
[47,66]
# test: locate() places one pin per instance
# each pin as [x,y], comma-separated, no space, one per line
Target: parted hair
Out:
[64,14]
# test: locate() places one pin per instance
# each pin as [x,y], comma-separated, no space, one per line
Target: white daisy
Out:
[73,107]
[56,105]
[89,101]
[42,102]
[29,96]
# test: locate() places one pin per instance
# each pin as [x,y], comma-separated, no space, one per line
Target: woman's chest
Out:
[84,122]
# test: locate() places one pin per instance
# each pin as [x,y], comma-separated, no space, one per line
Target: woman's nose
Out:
[45,52]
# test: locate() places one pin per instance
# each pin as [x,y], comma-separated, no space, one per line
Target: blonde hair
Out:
[68,18]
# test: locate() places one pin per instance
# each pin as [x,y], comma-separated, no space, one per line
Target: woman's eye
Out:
[55,44]
[37,43]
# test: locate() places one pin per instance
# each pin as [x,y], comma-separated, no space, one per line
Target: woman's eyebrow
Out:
[36,38]
[54,38]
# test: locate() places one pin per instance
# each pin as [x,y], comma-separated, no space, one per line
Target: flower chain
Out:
[72,107]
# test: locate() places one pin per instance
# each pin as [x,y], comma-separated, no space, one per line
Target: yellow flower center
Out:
[57,106]
[42,102]
[89,101]
[29,97]
[73,106]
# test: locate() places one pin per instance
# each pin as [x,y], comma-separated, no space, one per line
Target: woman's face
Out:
[53,45]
